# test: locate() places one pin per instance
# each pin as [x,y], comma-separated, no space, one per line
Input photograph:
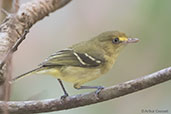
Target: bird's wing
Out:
[69,57]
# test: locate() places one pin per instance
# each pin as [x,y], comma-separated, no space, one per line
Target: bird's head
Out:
[114,41]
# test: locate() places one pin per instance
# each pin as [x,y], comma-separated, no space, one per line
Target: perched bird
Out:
[84,61]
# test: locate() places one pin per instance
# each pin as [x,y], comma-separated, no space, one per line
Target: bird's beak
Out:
[132,40]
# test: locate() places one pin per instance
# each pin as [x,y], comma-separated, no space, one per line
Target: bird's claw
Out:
[98,91]
[64,96]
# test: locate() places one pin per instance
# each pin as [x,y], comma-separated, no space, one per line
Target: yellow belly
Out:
[75,75]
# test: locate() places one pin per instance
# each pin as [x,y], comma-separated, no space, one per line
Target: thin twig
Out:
[5,12]
[14,48]
[112,92]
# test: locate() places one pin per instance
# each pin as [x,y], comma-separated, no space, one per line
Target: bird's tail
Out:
[28,73]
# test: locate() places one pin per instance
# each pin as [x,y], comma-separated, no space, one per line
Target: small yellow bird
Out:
[84,61]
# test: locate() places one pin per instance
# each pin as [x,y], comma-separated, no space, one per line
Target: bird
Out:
[84,61]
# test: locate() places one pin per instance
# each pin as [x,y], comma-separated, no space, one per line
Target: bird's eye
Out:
[115,40]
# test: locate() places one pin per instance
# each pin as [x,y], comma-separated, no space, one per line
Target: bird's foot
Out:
[98,91]
[64,96]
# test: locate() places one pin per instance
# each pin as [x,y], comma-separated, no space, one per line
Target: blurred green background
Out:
[149,20]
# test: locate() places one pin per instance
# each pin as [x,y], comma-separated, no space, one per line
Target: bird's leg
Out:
[99,88]
[63,88]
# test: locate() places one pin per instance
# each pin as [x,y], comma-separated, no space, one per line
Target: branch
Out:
[112,92]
